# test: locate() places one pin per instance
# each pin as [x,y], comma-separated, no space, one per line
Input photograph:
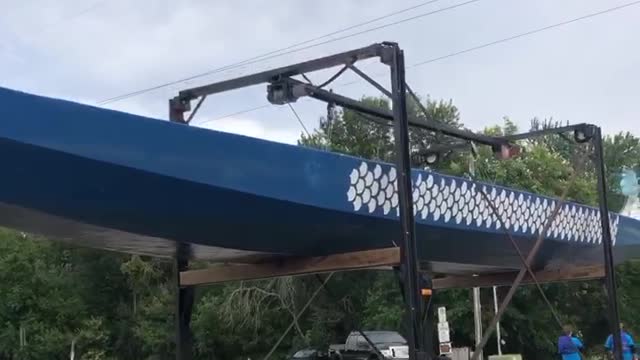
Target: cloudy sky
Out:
[89,51]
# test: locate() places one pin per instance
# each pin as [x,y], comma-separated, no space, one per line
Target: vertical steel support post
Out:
[428,328]
[409,266]
[184,295]
[177,109]
[495,308]
[184,300]
[428,315]
[607,244]
[477,318]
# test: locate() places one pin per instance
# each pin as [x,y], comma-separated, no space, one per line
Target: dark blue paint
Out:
[176,183]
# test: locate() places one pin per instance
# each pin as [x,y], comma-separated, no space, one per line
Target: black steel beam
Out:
[447,147]
[184,305]
[607,244]
[375,50]
[543,132]
[184,295]
[180,104]
[358,106]
[510,138]
[184,300]
[408,248]
[428,315]
[340,100]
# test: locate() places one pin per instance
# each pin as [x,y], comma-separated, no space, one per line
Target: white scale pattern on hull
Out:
[455,201]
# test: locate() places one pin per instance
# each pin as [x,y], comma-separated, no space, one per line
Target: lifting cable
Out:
[295,319]
[330,79]
[523,271]
[295,113]
[516,247]
[509,235]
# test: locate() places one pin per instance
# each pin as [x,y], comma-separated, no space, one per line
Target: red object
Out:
[508,151]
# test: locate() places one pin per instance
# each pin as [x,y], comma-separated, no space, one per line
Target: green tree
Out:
[39,307]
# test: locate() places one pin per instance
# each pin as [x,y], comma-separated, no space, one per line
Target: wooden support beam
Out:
[292,266]
[572,273]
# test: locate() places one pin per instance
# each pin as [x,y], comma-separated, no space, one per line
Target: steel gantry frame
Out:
[282,89]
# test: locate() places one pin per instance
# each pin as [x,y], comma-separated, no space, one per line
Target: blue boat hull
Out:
[117,181]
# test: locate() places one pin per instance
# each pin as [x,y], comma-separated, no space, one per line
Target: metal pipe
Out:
[495,309]
[477,318]
[607,245]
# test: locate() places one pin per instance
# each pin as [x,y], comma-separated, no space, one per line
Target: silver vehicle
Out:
[389,343]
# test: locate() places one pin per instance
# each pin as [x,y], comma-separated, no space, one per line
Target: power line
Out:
[86,10]
[263,57]
[485,45]
[507,39]
[75,15]
[294,48]
[514,37]
[293,110]
[273,52]
[234,114]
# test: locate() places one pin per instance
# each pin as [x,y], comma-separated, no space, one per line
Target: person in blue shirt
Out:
[569,346]
[628,345]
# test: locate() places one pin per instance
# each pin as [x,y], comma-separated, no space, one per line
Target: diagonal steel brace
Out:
[521,274]
[304,308]
[522,258]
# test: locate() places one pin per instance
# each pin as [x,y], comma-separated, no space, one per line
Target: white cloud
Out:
[583,72]
[253,128]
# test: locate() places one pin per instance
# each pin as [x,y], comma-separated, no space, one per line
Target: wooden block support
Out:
[571,273]
[292,266]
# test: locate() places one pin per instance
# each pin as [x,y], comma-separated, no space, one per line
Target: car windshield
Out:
[386,338]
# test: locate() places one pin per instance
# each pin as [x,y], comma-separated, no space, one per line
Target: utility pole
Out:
[495,308]
[477,317]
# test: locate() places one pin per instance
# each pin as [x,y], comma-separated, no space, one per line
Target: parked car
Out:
[389,343]
[310,354]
